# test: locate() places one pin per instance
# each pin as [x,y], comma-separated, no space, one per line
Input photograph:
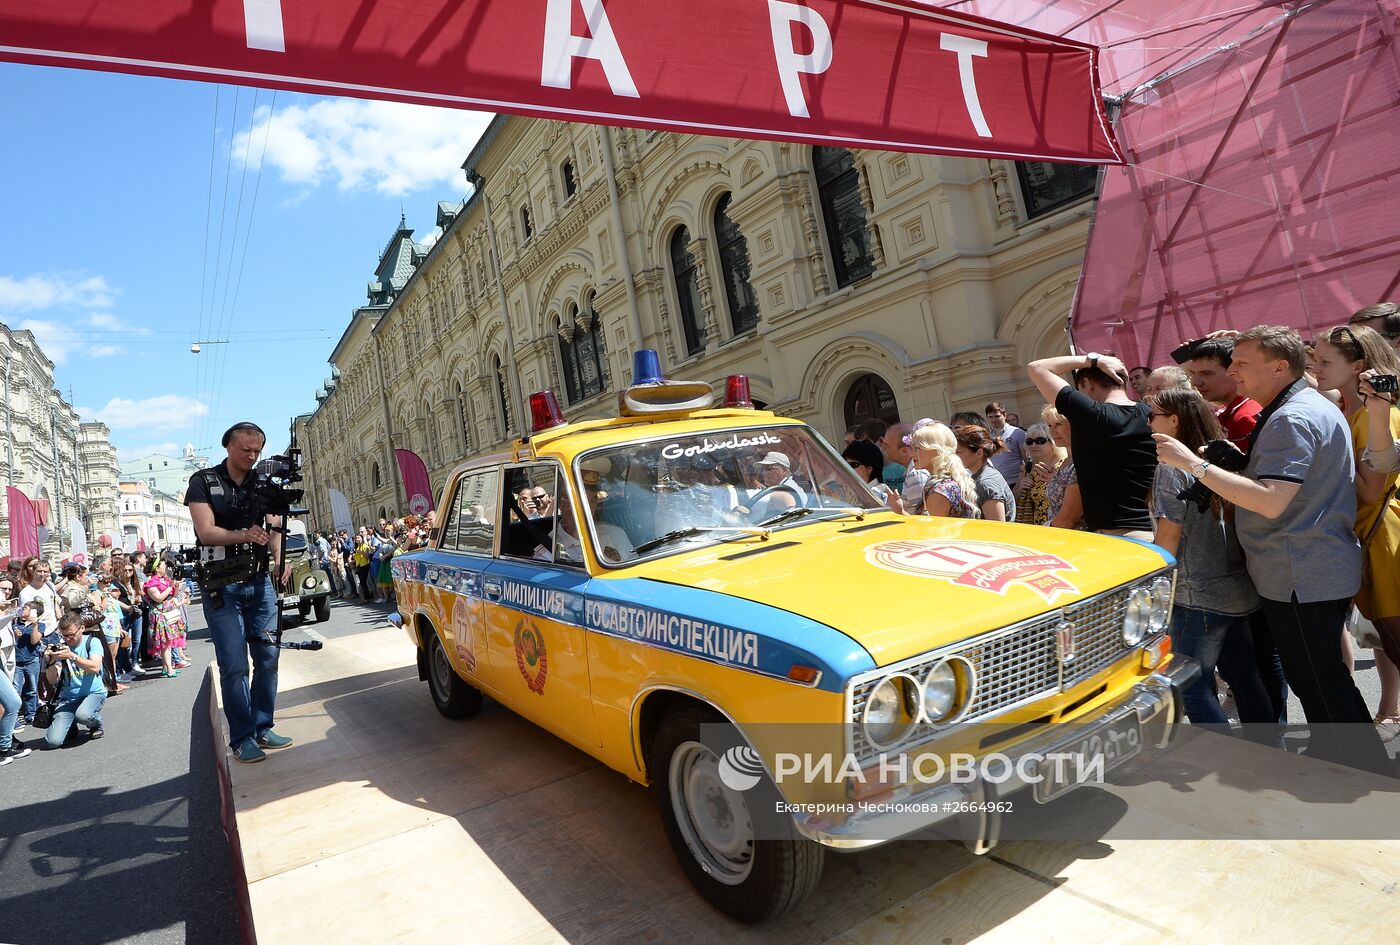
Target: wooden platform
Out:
[387,823]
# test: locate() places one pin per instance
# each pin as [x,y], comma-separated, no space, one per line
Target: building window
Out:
[157,506]
[149,467]
[687,289]
[152,483]
[870,398]
[160,531]
[838,189]
[734,265]
[462,420]
[581,353]
[374,475]
[526,229]
[1047,186]
[570,185]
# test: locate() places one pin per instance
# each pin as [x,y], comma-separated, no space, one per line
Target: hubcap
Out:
[714,819]
[442,671]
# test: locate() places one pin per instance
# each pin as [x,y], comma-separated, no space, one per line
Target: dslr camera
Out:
[1385,384]
[1220,453]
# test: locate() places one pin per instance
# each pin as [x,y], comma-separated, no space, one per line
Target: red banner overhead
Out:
[889,74]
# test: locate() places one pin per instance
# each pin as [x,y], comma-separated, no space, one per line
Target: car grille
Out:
[1017,664]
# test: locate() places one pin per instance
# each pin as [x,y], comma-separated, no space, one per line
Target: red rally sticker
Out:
[983,565]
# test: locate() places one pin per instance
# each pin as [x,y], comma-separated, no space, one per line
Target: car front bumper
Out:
[1156,700]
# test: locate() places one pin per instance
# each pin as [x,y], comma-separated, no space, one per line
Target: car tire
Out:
[453,697]
[323,609]
[752,875]
[302,611]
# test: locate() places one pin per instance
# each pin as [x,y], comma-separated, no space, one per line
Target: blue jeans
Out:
[9,701]
[27,684]
[242,625]
[87,710]
[1219,640]
[131,623]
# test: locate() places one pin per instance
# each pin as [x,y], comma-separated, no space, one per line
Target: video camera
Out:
[274,484]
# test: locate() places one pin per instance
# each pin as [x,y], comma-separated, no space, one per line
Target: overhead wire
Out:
[219,251]
[208,217]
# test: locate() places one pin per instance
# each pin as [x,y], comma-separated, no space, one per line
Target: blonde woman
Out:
[949,491]
[1064,505]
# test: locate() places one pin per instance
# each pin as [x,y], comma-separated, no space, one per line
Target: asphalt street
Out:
[119,840]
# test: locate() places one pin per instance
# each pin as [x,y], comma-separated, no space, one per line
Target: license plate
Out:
[1115,741]
[291,600]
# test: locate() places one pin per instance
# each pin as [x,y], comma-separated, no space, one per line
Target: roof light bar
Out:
[544,411]
[736,392]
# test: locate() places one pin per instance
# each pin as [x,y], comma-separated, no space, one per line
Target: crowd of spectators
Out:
[72,640]
[359,564]
[1265,463]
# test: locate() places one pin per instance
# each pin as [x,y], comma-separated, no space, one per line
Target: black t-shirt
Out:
[232,503]
[1114,457]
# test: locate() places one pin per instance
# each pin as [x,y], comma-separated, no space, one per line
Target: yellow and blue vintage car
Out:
[694,595]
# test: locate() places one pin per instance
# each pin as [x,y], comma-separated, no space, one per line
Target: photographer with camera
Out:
[224,506]
[1214,594]
[1295,505]
[1343,355]
[81,693]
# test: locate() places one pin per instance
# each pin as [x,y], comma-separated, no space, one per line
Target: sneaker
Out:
[20,725]
[272,741]
[123,677]
[248,752]
[17,749]
[136,671]
[96,733]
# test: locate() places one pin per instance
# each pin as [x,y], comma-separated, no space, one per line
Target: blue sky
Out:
[112,251]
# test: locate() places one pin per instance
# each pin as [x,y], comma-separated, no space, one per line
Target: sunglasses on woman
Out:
[1036,441]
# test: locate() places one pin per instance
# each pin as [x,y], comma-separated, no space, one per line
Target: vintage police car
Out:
[687,594]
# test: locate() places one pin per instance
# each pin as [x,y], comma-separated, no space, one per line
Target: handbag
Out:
[43,716]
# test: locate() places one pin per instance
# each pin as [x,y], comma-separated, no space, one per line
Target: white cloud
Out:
[126,454]
[109,322]
[429,241]
[391,147]
[104,351]
[60,342]
[46,290]
[166,412]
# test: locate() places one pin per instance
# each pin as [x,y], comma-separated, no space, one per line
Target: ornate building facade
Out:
[99,474]
[153,520]
[846,284]
[162,472]
[39,453]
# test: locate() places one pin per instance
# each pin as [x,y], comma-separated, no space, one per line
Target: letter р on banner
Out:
[885,74]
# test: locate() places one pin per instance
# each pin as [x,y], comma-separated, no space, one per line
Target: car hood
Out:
[902,585]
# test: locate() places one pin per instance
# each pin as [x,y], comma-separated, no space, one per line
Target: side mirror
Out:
[396,620]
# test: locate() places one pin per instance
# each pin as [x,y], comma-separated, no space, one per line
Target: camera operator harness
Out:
[268,490]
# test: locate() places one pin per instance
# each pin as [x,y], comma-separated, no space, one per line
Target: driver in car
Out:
[780,493]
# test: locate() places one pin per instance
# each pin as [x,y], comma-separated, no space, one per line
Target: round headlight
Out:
[309,583]
[891,710]
[948,690]
[1137,616]
[1161,603]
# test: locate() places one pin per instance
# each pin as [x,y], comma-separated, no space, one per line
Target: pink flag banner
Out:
[415,482]
[24,526]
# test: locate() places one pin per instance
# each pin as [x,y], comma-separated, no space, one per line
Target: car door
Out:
[457,572]
[534,593]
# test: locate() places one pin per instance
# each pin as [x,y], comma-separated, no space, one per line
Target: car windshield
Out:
[296,542]
[668,495]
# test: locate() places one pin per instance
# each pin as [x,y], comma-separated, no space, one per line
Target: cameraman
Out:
[223,506]
[81,694]
[1295,504]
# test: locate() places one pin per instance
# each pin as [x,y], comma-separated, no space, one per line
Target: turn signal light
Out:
[1155,653]
[544,411]
[736,392]
[807,675]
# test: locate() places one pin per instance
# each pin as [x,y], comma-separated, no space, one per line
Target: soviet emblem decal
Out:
[983,565]
[530,655]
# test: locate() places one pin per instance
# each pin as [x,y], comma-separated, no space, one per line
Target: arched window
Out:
[526,230]
[570,185]
[581,352]
[870,398]
[687,289]
[734,264]
[374,476]
[838,188]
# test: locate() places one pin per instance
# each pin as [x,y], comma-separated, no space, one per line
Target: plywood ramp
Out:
[387,823]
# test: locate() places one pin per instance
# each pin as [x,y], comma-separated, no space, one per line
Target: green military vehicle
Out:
[310,586]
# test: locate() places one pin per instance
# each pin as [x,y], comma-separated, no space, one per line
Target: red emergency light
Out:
[736,392]
[544,411]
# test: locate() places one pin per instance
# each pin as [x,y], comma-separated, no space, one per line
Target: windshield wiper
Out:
[798,511]
[690,530]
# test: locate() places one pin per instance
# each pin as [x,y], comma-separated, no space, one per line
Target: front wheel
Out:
[740,853]
[323,609]
[452,696]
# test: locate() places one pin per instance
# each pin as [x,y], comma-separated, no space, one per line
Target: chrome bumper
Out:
[1157,700]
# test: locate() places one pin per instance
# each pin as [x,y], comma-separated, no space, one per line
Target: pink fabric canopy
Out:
[1261,139]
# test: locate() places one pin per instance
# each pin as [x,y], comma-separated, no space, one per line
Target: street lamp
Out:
[195,348]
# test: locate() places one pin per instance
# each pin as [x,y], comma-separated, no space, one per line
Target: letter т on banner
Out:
[889,75]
